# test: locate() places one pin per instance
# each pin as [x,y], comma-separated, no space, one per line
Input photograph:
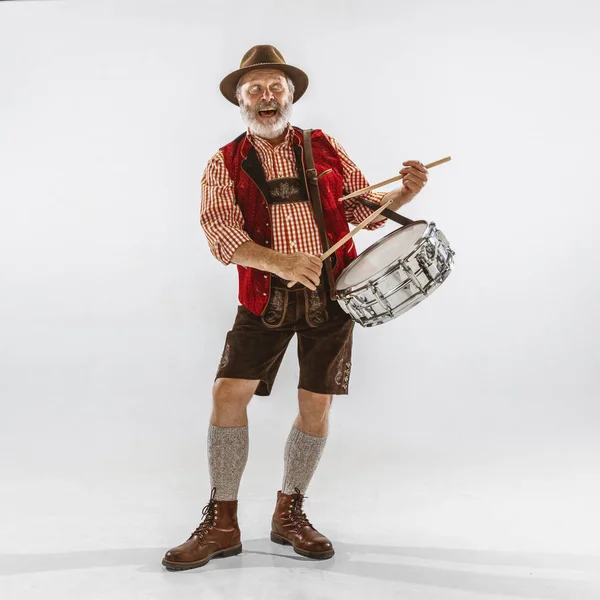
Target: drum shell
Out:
[402,283]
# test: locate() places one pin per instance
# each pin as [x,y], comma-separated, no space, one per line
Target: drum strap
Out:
[390,214]
[313,189]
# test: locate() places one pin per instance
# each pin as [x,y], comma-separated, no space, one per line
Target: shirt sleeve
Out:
[354,180]
[220,216]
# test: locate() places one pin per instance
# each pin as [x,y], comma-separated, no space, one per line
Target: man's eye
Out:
[277,87]
[254,88]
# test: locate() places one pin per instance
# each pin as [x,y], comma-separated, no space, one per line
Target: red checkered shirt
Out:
[293,225]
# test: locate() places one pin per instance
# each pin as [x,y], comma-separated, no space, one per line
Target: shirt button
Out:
[293,244]
[289,217]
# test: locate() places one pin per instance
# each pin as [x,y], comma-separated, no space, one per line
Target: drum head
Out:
[381,254]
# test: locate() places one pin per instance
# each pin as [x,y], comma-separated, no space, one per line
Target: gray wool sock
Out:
[301,457]
[227,457]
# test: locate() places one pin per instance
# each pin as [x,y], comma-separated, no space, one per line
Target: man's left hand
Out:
[415,177]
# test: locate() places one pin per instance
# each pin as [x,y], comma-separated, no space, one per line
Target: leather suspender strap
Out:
[313,191]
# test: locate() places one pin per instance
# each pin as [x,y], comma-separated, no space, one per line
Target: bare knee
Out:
[313,407]
[230,399]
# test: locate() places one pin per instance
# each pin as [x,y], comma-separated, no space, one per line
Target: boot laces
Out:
[297,515]
[208,512]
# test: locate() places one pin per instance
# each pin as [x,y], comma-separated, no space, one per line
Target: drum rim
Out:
[356,286]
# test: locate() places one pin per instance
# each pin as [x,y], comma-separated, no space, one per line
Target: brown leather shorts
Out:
[255,346]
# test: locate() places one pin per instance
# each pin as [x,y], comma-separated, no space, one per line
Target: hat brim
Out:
[299,78]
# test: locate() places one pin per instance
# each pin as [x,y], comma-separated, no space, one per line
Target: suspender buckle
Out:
[311,175]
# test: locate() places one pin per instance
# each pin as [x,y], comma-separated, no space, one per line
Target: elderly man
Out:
[260,211]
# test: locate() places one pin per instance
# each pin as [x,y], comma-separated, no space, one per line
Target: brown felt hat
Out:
[264,57]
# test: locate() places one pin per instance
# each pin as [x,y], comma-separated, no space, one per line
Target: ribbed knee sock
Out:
[301,457]
[227,457]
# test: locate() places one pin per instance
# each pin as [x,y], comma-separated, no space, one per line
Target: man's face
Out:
[265,102]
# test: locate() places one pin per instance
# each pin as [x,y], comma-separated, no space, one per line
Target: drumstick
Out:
[372,215]
[350,234]
[355,230]
[397,178]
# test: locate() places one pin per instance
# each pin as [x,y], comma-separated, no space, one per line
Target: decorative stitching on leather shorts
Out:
[316,313]
[276,309]
[225,356]
[342,377]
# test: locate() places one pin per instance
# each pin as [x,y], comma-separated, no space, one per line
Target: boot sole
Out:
[175,566]
[317,555]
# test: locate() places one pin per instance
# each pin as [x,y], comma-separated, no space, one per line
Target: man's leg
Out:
[219,533]
[306,441]
[228,435]
[303,450]
[324,354]
[251,358]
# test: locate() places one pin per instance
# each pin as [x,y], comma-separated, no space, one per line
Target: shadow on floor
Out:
[263,553]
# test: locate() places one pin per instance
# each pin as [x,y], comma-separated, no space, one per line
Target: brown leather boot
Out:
[217,535]
[291,527]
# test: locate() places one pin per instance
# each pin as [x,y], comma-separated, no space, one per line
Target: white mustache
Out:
[271,129]
[269,106]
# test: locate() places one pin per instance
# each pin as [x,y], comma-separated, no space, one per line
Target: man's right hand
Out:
[302,267]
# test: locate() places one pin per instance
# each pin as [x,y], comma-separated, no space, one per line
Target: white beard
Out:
[273,128]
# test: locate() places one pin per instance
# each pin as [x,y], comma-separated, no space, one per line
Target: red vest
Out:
[246,171]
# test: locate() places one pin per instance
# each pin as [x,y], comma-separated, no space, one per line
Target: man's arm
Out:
[223,223]
[398,197]
[415,178]
[300,266]
[220,216]
[355,180]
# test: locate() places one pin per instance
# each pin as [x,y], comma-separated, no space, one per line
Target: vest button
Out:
[264,293]
[266,277]
[267,242]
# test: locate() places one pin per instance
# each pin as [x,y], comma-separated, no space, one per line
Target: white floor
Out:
[473,532]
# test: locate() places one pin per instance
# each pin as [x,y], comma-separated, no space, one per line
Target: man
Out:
[257,213]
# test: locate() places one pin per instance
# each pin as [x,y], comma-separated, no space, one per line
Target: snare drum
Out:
[395,273]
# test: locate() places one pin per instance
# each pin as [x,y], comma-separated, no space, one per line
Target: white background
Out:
[463,463]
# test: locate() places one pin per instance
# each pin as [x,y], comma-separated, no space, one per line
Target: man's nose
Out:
[267,95]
